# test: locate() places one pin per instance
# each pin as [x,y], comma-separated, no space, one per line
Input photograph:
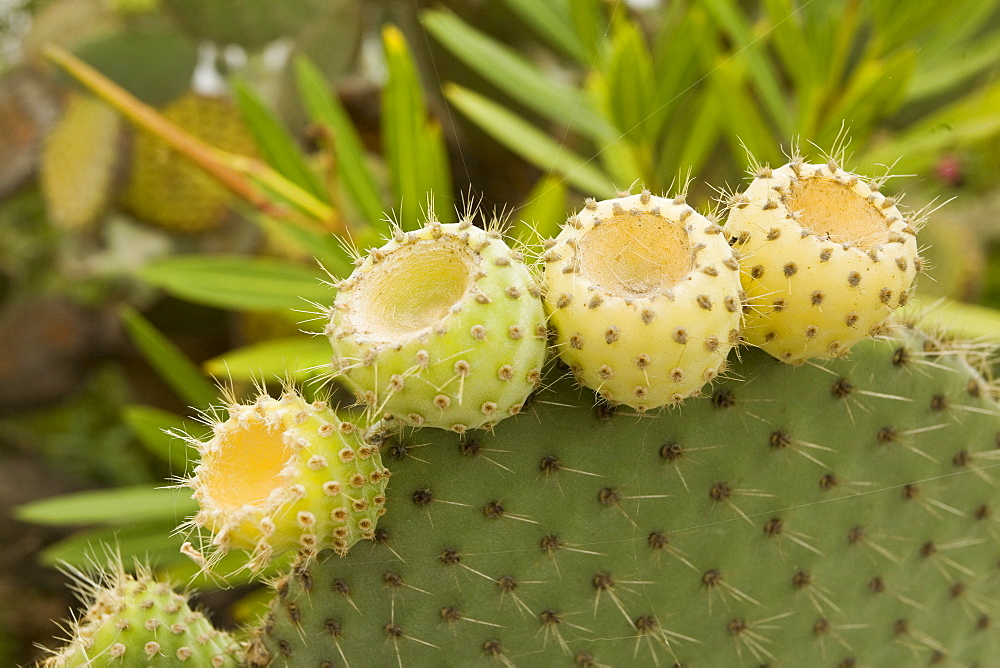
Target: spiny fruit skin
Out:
[841,513]
[284,474]
[165,188]
[826,258]
[644,294]
[83,155]
[441,327]
[139,621]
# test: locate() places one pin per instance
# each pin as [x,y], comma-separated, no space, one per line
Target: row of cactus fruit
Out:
[725,452]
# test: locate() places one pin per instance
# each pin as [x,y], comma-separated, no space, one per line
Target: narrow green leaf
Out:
[964,321]
[275,144]
[750,50]
[702,136]
[124,505]
[404,139]
[874,90]
[438,175]
[326,110]
[297,355]
[955,32]
[898,22]
[551,20]
[327,248]
[516,76]
[232,564]
[590,24]
[746,128]
[792,44]
[675,54]
[937,77]
[543,212]
[529,142]
[148,543]
[237,281]
[170,363]
[972,118]
[151,426]
[631,99]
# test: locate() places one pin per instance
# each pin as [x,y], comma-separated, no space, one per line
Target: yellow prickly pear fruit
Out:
[283,474]
[644,295]
[826,258]
[165,188]
[81,162]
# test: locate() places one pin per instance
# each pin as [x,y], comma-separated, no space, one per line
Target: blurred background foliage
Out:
[179,229]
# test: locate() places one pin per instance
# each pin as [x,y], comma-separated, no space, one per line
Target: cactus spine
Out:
[644,295]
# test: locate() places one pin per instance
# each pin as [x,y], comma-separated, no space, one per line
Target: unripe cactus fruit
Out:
[284,474]
[826,259]
[441,327]
[139,621]
[165,188]
[81,163]
[644,295]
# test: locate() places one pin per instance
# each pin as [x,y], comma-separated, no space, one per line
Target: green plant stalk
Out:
[274,182]
[207,157]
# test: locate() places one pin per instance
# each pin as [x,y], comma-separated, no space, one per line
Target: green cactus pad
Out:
[644,295]
[841,513]
[139,621]
[284,474]
[441,327]
[165,188]
[826,258]
[81,162]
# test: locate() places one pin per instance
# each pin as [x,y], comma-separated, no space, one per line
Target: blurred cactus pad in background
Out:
[522,333]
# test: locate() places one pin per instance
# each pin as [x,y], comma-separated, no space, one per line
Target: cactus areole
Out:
[440,327]
[644,294]
[826,259]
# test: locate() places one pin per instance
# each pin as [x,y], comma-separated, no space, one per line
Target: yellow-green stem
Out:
[206,156]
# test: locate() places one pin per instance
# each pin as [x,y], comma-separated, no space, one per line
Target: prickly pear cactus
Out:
[285,474]
[841,513]
[441,327]
[644,296]
[826,258]
[139,621]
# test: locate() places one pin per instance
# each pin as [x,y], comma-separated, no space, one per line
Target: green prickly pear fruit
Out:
[440,327]
[165,188]
[826,258]
[284,474]
[81,162]
[644,295]
[140,621]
